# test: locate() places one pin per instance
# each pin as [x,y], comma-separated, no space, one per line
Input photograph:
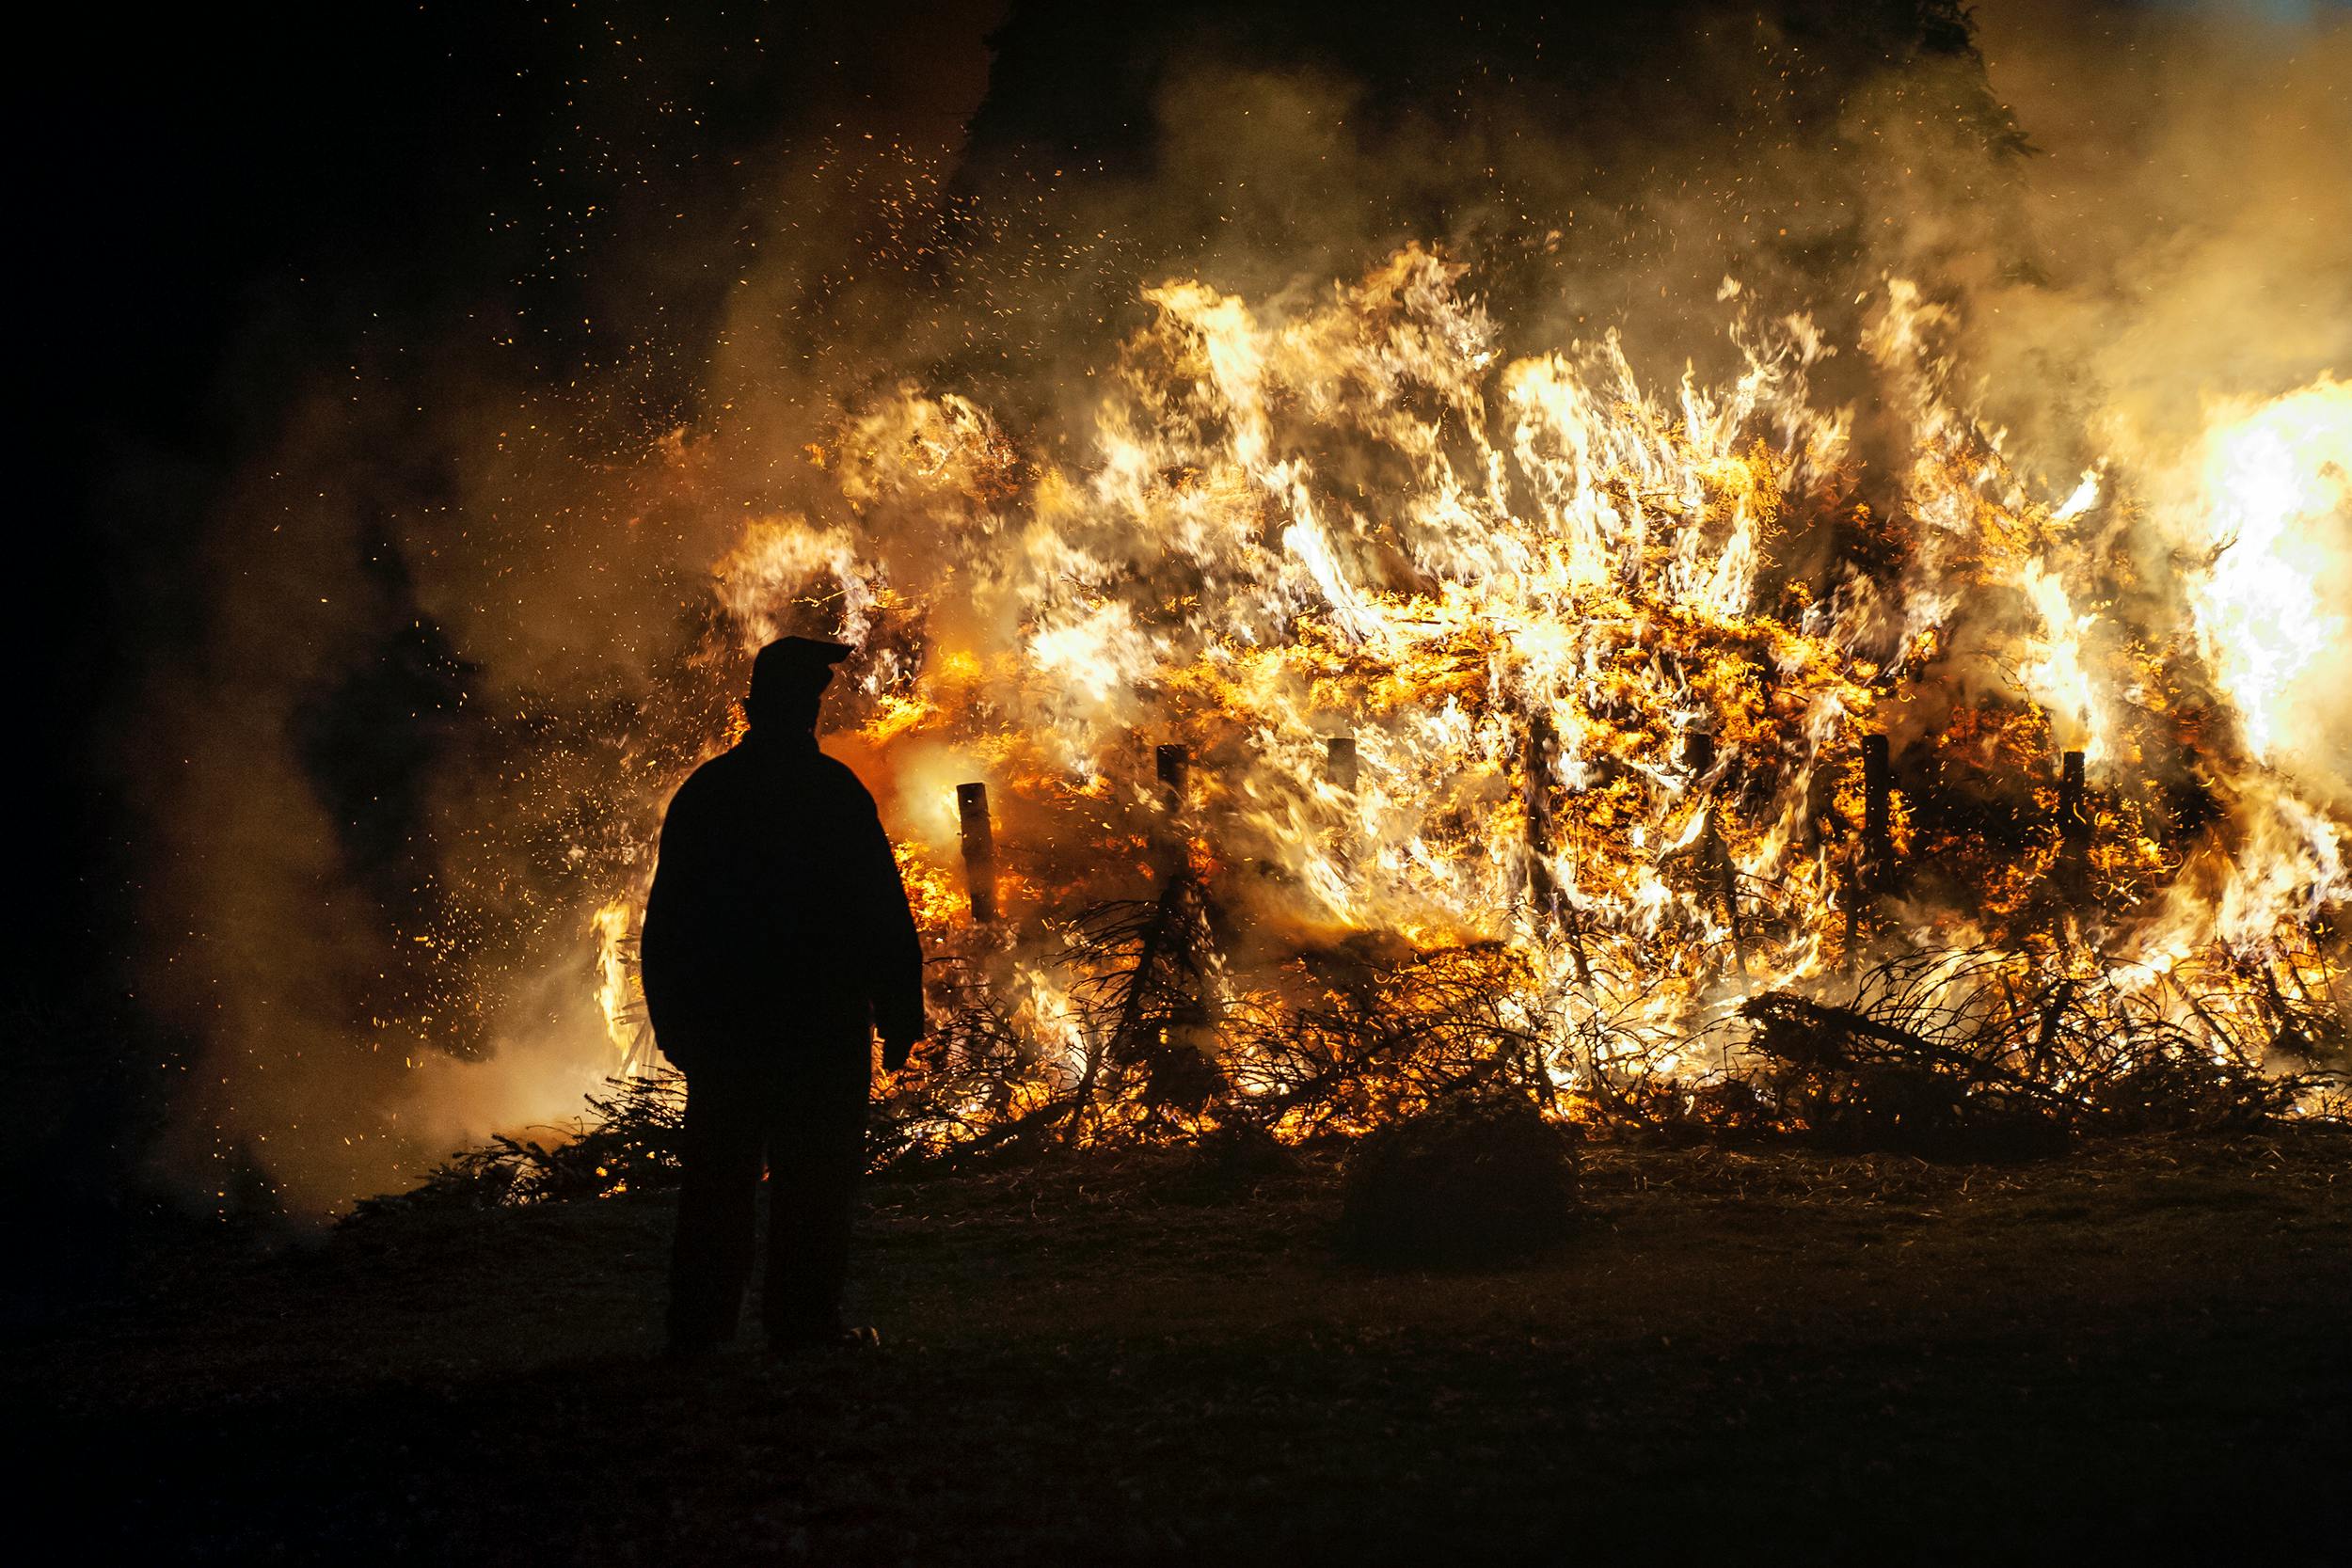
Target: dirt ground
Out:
[2139,1348]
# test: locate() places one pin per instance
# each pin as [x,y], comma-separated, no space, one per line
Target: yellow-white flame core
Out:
[2270,509]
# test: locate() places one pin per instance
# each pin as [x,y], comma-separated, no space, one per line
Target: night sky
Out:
[239,200]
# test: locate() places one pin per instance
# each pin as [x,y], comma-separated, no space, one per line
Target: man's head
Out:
[788,683]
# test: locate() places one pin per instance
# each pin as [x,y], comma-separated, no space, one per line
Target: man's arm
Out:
[894,951]
[672,943]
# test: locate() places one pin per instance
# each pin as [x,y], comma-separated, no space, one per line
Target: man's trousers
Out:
[808,1130]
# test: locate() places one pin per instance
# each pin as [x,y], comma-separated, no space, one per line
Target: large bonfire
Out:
[1355,714]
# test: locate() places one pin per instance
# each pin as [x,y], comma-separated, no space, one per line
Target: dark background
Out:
[227,207]
[224,206]
[225,201]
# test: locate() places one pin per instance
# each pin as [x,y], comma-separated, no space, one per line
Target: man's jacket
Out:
[777,933]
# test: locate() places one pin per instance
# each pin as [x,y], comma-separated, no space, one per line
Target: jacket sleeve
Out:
[893,951]
[671,943]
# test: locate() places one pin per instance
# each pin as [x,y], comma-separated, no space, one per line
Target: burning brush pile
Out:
[1360,717]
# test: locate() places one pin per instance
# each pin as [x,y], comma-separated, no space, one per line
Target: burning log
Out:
[979,850]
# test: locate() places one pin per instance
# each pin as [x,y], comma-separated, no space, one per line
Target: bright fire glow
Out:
[1598,726]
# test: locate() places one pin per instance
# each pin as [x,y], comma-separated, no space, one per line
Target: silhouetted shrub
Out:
[1230,1163]
[1475,1178]
[1906,1109]
[630,1145]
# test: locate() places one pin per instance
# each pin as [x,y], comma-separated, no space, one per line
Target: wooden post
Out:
[1339,770]
[1726,870]
[1174,764]
[1175,769]
[1698,756]
[1874,856]
[2073,826]
[979,850]
[1540,889]
[1338,762]
[1878,777]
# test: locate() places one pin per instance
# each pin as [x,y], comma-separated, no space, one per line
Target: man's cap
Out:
[796,666]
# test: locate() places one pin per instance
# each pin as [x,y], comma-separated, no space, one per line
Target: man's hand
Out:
[895,1054]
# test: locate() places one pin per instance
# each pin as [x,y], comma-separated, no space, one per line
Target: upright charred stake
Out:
[1552,911]
[1878,838]
[2073,826]
[1698,756]
[1339,770]
[1727,875]
[1338,762]
[979,850]
[1540,890]
[1174,764]
[1874,857]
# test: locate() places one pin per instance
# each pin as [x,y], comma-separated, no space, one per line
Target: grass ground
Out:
[2141,1349]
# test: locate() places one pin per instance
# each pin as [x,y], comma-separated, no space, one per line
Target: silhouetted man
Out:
[777,940]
